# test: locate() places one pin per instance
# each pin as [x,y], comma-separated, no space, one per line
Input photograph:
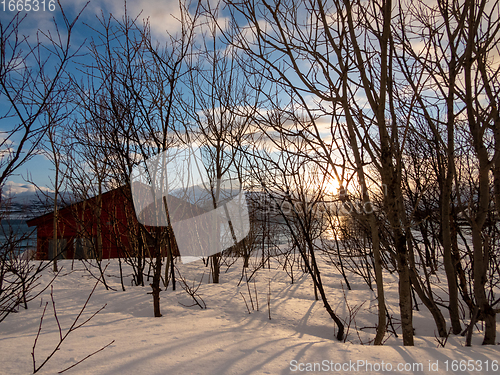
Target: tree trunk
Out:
[451,272]
[405,303]
[449,265]
[480,267]
[155,285]
[319,285]
[215,267]
[379,281]
[430,304]
[54,236]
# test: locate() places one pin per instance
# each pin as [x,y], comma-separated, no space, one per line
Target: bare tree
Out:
[130,111]
[459,61]
[303,52]
[281,162]
[221,111]
[30,88]
[481,37]
[347,62]
[34,86]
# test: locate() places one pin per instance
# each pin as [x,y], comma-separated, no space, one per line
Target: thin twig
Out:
[90,355]
[73,327]
[249,293]
[192,291]
[36,338]
[55,313]
[256,299]
[245,302]
[269,300]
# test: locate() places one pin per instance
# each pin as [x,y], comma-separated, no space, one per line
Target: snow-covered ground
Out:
[225,338]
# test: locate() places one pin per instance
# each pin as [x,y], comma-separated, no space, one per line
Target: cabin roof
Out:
[188,208]
[38,220]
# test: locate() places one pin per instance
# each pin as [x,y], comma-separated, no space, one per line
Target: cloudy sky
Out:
[161,14]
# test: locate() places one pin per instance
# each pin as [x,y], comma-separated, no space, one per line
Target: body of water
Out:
[17,232]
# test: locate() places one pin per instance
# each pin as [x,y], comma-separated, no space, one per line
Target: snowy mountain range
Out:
[29,204]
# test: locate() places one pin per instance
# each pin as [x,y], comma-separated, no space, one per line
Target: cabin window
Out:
[60,253]
[83,248]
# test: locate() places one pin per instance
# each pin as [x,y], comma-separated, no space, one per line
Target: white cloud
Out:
[12,188]
[163,15]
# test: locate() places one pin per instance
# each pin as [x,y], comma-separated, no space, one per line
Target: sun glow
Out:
[331,186]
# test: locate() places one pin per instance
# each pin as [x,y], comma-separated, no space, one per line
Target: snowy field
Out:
[225,338]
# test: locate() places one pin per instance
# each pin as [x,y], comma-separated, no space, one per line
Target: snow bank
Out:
[225,338]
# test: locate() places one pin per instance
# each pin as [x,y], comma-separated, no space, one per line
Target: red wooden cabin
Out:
[79,225]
